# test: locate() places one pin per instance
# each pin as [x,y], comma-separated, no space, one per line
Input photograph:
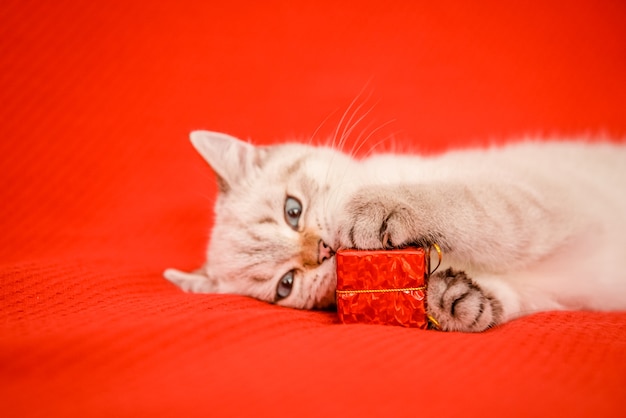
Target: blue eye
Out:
[284,286]
[293,210]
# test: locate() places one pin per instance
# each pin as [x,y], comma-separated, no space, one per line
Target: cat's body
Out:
[528,227]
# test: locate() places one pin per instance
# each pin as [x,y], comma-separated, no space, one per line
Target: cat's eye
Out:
[284,286]
[293,210]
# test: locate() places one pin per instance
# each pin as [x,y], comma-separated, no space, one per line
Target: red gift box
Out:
[383,287]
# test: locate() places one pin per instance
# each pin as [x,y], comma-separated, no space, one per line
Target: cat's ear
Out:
[196,282]
[232,159]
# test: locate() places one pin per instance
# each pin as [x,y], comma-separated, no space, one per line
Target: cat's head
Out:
[275,229]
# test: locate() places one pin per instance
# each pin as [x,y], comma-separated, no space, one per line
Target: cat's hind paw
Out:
[459,304]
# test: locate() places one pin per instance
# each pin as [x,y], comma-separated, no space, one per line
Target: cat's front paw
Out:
[375,220]
[459,304]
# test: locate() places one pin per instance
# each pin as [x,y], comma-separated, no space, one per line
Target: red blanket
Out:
[101,191]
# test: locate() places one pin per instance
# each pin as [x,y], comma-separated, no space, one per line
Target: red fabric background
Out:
[101,191]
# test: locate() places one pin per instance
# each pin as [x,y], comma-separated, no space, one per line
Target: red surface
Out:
[362,275]
[101,191]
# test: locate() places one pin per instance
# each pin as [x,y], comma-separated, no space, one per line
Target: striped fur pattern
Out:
[527,227]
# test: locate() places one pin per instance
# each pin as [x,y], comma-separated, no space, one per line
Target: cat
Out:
[527,227]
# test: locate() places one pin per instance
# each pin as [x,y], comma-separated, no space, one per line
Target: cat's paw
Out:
[459,304]
[374,221]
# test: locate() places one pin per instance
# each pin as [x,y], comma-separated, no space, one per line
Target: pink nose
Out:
[324,252]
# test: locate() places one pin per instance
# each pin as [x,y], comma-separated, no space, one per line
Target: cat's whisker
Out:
[366,128]
[357,146]
[348,109]
[347,133]
[333,142]
[373,131]
[372,149]
[336,134]
[312,137]
[349,126]
[390,139]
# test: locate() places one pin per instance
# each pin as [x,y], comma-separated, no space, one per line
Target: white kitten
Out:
[524,228]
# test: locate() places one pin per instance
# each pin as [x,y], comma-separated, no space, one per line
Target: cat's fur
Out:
[528,227]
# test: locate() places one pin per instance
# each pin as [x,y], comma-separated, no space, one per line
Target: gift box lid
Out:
[360,270]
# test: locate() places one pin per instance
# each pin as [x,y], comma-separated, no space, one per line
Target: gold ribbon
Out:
[403,289]
[439,255]
[433,322]
[431,319]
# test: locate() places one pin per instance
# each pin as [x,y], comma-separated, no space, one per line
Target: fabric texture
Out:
[101,191]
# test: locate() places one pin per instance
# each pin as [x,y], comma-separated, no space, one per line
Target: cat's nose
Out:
[324,252]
